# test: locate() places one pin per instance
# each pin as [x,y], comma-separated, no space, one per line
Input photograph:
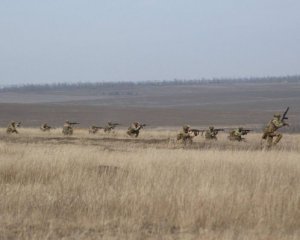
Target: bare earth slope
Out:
[159,105]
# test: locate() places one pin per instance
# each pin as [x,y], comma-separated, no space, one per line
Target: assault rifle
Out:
[73,123]
[284,117]
[219,130]
[96,127]
[246,131]
[110,124]
[196,131]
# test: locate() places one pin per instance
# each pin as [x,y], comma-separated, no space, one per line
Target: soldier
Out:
[110,126]
[186,135]
[211,134]
[134,129]
[94,129]
[236,135]
[12,127]
[67,128]
[271,128]
[45,127]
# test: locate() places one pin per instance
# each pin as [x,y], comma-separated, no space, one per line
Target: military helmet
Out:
[186,127]
[277,115]
[211,127]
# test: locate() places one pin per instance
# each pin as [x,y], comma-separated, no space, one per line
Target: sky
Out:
[53,41]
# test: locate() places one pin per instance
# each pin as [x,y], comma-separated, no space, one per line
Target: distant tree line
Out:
[176,82]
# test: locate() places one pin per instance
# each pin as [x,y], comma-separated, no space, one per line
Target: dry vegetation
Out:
[53,187]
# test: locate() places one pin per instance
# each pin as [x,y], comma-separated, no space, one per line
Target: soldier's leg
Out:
[278,138]
[269,140]
[179,136]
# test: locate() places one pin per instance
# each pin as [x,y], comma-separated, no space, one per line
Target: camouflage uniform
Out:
[186,135]
[109,127]
[134,129]
[94,129]
[236,135]
[271,128]
[45,127]
[67,128]
[12,128]
[211,134]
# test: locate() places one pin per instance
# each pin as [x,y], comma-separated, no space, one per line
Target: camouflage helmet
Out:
[186,127]
[211,127]
[277,115]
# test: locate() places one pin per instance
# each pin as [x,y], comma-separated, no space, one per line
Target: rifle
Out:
[219,130]
[246,131]
[73,123]
[95,127]
[284,117]
[196,131]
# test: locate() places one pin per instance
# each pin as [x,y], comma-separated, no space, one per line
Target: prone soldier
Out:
[134,129]
[12,127]
[271,128]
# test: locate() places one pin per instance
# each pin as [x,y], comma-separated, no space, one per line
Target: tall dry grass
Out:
[60,191]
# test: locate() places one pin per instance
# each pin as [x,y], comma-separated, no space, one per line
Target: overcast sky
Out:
[49,41]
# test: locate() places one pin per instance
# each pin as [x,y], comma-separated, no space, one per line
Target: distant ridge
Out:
[93,85]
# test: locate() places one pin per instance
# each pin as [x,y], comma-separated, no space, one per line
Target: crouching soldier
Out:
[45,127]
[68,127]
[134,129]
[237,134]
[211,133]
[186,135]
[12,127]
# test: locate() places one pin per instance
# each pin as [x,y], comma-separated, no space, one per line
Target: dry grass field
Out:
[114,187]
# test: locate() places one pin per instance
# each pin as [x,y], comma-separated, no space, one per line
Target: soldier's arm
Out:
[278,123]
[238,134]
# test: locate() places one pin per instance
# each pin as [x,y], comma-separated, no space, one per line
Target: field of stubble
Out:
[115,187]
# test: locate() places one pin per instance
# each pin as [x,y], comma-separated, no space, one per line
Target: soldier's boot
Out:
[278,138]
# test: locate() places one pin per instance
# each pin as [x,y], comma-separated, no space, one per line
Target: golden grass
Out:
[52,189]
